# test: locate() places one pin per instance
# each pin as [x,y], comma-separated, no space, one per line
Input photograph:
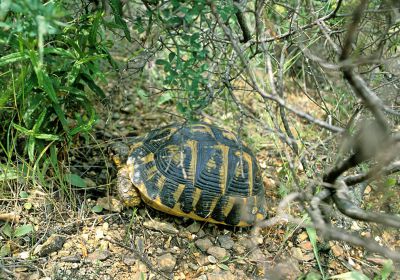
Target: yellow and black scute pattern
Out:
[199,171]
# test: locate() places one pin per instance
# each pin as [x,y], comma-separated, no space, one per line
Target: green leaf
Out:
[181,108]
[7,230]
[312,235]
[23,194]
[171,56]
[92,85]
[22,129]
[162,62]
[390,182]
[44,136]
[223,266]
[97,209]
[95,26]
[116,7]
[13,57]
[224,259]
[31,148]
[5,250]
[39,121]
[23,230]
[59,51]
[387,269]
[164,98]
[75,180]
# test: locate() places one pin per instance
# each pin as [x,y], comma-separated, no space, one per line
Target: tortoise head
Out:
[119,152]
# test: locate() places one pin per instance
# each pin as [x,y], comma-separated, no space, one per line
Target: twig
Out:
[348,208]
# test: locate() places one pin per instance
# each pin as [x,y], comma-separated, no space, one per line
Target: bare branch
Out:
[347,207]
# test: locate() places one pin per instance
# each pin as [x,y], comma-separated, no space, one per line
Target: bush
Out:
[50,67]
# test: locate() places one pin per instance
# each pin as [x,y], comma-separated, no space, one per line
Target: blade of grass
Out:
[312,235]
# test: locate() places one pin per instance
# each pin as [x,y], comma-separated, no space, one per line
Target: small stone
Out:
[297,253]
[100,124]
[201,233]
[110,203]
[71,259]
[247,243]
[218,252]
[139,266]
[225,241]
[99,234]
[24,255]
[193,266]
[160,226]
[337,250]
[302,236]
[239,249]
[212,259]
[306,245]
[166,262]
[203,260]
[105,226]
[355,226]
[226,275]
[203,244]
[287,269]
[54,243]
[129,260]
[63,253]
[194,227]
[202,277]
[257,256]
[99,255]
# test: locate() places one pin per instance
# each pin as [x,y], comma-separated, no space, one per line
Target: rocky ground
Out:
[94,238]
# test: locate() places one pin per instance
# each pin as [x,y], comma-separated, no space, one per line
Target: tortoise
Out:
[194,170]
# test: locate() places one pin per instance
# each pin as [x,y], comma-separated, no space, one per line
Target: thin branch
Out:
[348,208]
[255,85]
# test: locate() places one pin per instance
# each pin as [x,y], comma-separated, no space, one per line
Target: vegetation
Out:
[242,64]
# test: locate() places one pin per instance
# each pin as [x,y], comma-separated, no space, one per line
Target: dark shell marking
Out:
[198,171]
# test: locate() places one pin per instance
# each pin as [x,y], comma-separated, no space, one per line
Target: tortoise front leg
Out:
[127,192]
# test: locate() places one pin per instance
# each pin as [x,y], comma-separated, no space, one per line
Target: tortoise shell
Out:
[198,171]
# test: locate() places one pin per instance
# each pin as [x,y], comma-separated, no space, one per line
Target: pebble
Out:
[99,234]
[166,262]
[297,253]
[218,252]
[194,228]
[202,277]
[71,259]
[110,203]
[306,245]
[226,275]
[54,243]
[129,260]
[257,256]
[212,259]
[226,242]
[160,226]
[193,266]
[203,260]
[203,244]
[239,249]
[99,255]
